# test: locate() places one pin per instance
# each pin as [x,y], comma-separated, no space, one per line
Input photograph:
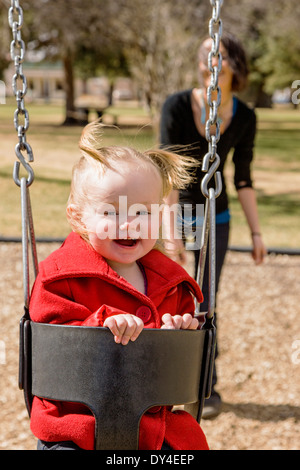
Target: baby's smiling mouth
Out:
[126,241]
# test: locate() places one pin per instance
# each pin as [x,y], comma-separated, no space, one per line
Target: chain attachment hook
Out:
[210,173]
[28,168]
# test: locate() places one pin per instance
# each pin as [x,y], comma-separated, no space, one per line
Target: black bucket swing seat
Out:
[162,367]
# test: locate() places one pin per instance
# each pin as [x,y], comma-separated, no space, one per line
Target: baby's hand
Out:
[178,322]
[124,327]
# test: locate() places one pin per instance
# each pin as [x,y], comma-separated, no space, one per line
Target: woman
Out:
[183,120]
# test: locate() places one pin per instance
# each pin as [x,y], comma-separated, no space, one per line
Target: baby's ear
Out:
[73,214]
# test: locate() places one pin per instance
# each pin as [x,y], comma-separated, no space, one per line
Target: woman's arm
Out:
[248,202]
[242,158]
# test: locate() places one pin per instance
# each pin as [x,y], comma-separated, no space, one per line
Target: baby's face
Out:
[123,214]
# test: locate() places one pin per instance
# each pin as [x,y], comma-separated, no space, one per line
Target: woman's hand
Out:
[124,327]
[259,250]
[179,322]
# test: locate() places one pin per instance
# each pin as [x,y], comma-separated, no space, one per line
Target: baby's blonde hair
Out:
[176,171]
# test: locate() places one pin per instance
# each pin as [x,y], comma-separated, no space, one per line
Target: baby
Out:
[111,272]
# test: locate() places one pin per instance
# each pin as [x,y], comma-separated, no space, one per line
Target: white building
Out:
[45,82]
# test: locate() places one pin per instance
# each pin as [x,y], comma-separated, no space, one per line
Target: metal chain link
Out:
[215,32]
[17,52]
[210,164]
[19,86]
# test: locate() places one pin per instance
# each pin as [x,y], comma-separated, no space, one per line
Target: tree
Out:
[156,42]
[65,30]
[270,33]
[5,38]
[246,19]
[109,62]
[160,40]
[281,61]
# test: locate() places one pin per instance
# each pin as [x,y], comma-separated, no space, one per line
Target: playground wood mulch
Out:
[258,366]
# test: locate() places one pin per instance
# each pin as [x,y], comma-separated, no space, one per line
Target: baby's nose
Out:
[125,225]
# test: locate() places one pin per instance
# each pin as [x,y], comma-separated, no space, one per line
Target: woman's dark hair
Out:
[237,60]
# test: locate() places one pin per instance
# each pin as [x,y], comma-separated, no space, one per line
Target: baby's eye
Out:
[142,212]
[109,213]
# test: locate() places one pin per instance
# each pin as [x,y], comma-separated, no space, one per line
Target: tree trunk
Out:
[69,89]
[263,100]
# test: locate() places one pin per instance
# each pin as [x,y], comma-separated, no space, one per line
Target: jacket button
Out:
[144,313]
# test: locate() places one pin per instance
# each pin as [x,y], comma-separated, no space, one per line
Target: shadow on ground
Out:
[263,413]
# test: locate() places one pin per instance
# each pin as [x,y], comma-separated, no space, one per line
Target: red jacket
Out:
[76,286]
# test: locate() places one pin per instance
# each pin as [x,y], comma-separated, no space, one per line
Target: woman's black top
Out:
[179,133]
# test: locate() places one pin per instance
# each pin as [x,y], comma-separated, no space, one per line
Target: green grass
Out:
[279,219]
[276,169]
[283,148]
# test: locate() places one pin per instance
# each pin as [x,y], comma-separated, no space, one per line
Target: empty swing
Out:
[183,359]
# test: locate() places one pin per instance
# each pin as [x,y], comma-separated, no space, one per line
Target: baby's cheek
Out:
[139,228]
[154,227]
[106,228]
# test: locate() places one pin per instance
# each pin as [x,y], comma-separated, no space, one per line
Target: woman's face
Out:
[225,75]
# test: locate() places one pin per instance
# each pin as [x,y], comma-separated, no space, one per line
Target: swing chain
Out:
[17,52]
[210,164]
[215,32]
